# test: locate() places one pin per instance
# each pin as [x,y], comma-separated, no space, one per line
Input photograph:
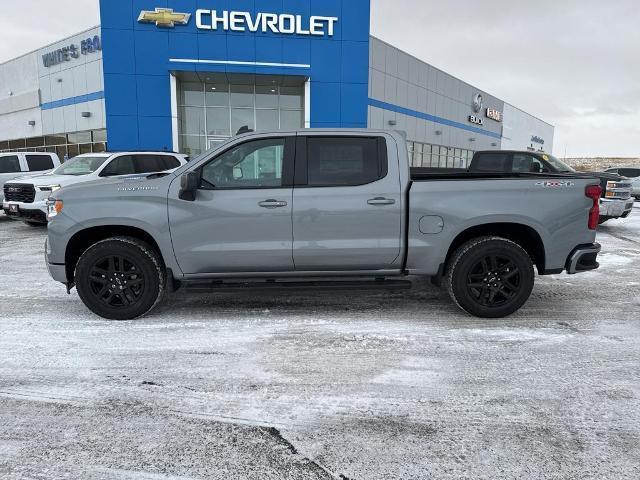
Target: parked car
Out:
[616,200]
[635,188]
[26,198]
[633,173]
[319,208]
[24,164]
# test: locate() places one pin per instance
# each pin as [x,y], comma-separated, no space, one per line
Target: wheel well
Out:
[523,235]
[82,240]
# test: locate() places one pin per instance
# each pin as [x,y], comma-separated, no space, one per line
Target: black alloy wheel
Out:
[494,280]
[490,277]
[120,278]
[116,281]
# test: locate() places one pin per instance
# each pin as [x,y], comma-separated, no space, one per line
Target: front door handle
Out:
[381,201]
[272,204]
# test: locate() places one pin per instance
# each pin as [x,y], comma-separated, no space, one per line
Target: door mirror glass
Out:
[189,184]
[237,173]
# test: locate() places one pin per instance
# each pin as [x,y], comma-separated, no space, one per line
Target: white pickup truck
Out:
[24,164]
[26,198]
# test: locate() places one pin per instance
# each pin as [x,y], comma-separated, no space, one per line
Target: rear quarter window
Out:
[39,163]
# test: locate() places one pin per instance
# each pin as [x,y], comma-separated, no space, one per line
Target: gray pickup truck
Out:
[319,208]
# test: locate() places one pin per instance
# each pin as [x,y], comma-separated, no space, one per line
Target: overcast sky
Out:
[574,63]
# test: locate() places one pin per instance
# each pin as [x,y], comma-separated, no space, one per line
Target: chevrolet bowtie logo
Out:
[164,17]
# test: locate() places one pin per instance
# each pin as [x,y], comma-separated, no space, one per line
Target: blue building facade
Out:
[146,42]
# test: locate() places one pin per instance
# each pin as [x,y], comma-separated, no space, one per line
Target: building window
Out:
[64,145]
[438,156]
[212,110]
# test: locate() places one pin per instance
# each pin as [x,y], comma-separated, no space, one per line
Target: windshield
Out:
[559,165]
[80,166]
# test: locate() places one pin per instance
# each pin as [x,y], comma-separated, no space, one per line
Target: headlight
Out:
[54,207]
[611,184]
[49,188]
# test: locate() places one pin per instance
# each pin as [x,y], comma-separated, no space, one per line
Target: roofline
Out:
[460,80]
[48,45]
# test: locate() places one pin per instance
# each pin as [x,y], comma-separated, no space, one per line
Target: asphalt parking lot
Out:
[322,385]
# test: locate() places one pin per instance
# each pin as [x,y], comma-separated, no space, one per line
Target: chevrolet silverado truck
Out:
[616,200]
[319,209]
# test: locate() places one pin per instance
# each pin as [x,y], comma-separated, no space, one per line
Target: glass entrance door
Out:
[212,107]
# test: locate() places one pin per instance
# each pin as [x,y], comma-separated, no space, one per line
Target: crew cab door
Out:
[347,204]
[240,221]
[11,166]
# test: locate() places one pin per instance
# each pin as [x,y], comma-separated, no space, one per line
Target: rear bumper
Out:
[583,259]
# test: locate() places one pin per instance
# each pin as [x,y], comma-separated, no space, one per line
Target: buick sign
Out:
[478,103]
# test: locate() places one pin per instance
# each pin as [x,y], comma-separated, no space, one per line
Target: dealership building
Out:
[185,75]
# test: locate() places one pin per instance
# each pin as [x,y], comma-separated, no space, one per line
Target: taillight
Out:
[594,192]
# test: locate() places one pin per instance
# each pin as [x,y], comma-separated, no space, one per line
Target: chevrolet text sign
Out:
[265,22]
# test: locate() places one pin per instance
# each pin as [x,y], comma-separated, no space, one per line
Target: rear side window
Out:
[345,161]
[169,162]
[154,163]
[9,164]
[39,163]
[491,162]
[119,166]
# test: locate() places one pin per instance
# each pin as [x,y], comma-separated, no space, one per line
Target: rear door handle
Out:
[381,201]
[272,204]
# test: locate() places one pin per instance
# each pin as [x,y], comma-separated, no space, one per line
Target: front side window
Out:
[255,164]
[9,164]
[526,164]
[630,172]
[39,163]
[343,161]
[80,166]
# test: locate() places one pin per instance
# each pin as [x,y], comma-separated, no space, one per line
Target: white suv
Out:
[26,198]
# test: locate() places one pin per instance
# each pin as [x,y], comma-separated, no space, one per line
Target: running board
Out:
[224,286]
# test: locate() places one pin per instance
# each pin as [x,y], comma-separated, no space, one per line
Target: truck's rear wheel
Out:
[120,278]
[490,277]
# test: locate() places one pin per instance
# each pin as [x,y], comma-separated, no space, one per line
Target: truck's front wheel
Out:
[120,278]
[490,277]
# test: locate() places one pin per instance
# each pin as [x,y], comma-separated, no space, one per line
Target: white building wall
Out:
[520,128]
[28,88]
[19,98]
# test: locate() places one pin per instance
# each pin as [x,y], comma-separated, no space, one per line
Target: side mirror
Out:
[238,174]
[189,185]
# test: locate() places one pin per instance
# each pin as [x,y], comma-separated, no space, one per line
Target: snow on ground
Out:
[365,385]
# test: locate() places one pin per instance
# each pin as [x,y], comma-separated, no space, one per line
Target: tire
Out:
[506,268]
[107,284]
[36,224]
